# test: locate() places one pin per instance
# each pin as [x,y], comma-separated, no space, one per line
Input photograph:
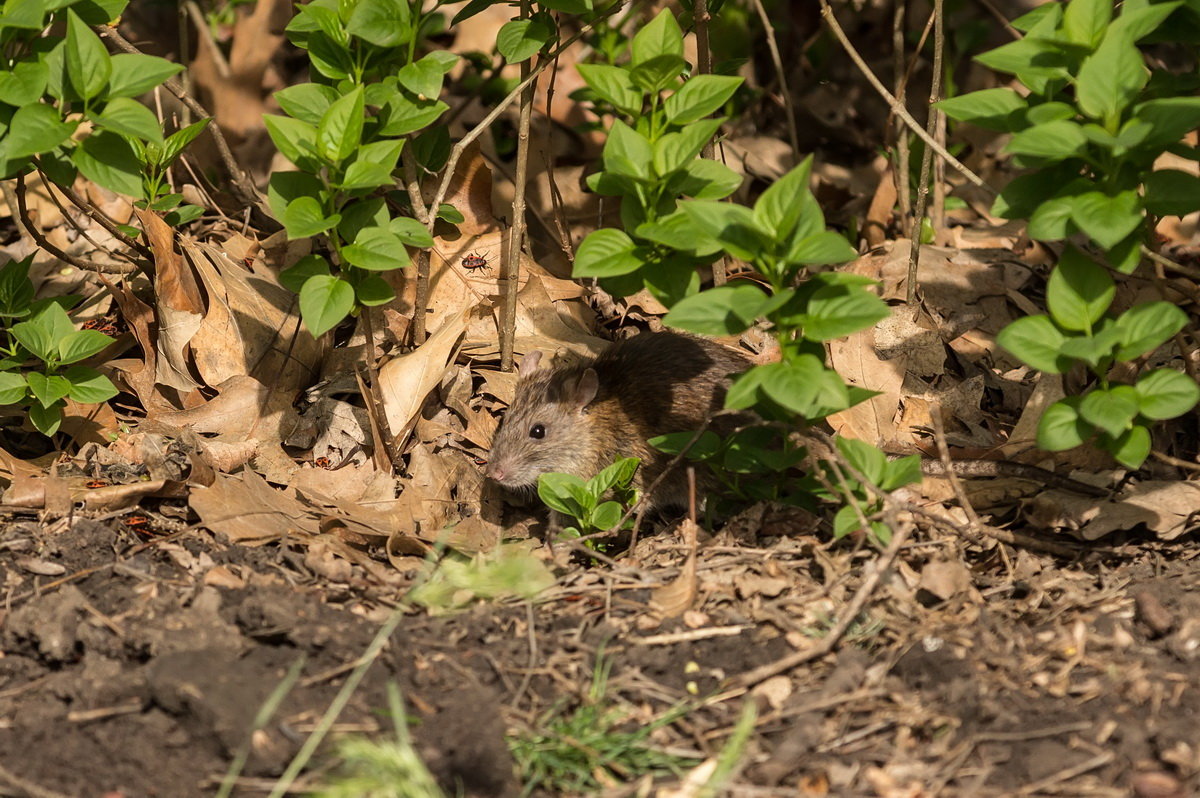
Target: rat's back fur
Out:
[579,419]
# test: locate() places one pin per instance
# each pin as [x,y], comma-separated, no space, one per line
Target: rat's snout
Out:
[495,470]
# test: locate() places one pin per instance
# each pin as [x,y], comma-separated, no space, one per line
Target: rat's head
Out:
[546,428]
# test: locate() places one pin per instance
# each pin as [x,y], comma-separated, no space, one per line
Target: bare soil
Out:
[140,669]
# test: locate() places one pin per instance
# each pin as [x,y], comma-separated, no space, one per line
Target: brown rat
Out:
[579,419]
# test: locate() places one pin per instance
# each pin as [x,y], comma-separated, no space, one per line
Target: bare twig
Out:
[701,18]
[95,215]
[510,267]
[902,152]
[777,60]
[31,228]
[556,198]
[204,34]
[239,178]
[900,110]
[459,148]
[848,615]
[918,221]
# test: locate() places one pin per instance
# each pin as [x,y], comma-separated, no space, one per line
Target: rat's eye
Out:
[537,431]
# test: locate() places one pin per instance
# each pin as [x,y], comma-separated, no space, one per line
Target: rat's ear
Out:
[585,389]
[529,363]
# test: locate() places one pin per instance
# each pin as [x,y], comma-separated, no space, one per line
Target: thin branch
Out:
[96,216]
[931,127]
[240,179]
[27,223]
[899,110]
[900,172]
[457,151]
[773,46]
[510,267]
[556,198]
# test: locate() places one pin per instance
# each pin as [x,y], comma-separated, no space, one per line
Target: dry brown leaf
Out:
[675,598]
[247,510]
[1168,509]
[406,381]
[179,305]
[945,579]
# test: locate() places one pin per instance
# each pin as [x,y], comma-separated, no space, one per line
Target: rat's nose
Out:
[495,471]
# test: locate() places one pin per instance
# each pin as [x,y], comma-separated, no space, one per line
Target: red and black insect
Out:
[475,261]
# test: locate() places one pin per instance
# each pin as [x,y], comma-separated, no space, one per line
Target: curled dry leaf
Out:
[673,599]
[405,381]
[1168,509]
[178,305]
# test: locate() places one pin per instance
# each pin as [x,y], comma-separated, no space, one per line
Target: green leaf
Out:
[294,277]
[88,386]
[724,310]
[699,97]
[678,231]
[605,516]
[707,445]
[109,160]
[88,63]
[340,130]
[1111,78]
[627,152]
[1060,427]
[305,217]
[805,386]
[295,139]
[24,83]
[46,420]
[778,209]
[821,249]
[383,23]
[1170,192]
[522,38]
[619,474]
[734,226]
[373,290]
[24,14]
[1135,23]
[612,84]
[1147,326]
[307,101]
[560,493]
[658,74]
[47,390]
[1037,342]
[1079,291]
[134,74]
[1132,448]
[34,129]
[129,117]
[285,187]
[364,174]
[411,232]
[675,150]
[835,311]
[1052,219]
[12,388]
[864,458]
[1025,193]
[1170,119]
[1166,393]
[994,109]
[423,78]
[902,471]
[1052,141]
[1107,219]
[1084,21]
[1049,112]
[324,302]
[607,252]
[180,139]
[81,344]
[401,115]
[377,250]
[661,36]
[1111,410]
[709,180]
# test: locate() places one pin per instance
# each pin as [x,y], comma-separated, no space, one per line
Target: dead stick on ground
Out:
[777,60]
[846,617]
[900,110]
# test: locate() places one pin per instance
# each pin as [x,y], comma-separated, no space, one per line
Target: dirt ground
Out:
[134,662]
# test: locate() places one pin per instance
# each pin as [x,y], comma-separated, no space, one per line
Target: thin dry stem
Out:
[898,109]
[777,60]
[932,122]
[510,268]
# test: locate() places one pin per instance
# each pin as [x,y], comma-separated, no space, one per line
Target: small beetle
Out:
[474,261]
